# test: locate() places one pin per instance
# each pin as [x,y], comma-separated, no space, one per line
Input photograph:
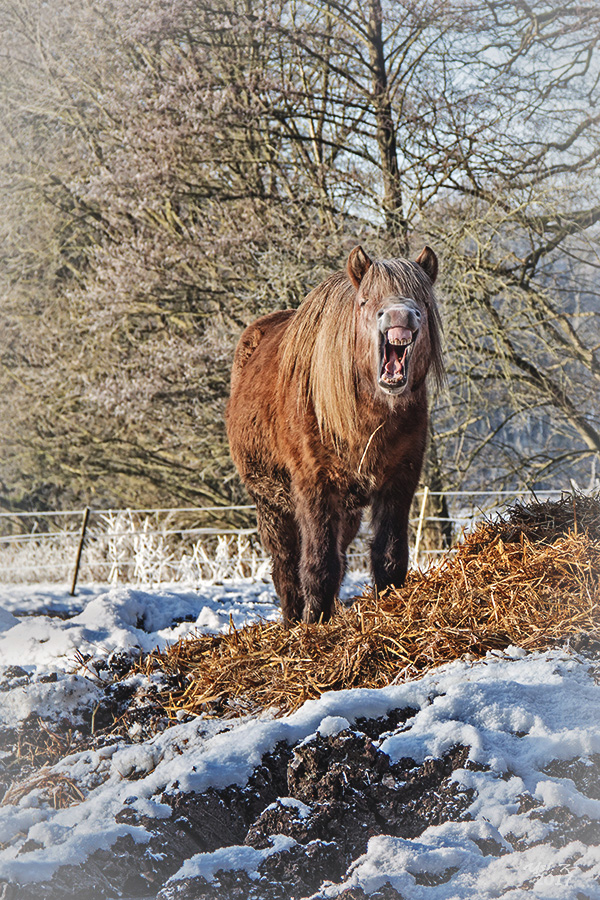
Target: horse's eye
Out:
[363,301]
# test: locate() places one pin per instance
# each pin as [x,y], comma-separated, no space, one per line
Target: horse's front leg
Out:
[389,547]
[321,558]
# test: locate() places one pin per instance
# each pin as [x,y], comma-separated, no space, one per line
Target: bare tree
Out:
[519,228]
[170,173]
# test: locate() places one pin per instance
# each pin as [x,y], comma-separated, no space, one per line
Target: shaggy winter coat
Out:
[328,414]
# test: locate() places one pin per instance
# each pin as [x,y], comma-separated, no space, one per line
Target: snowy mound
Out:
[476,780]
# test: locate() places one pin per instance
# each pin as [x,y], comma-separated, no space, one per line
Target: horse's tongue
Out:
[393,362]
[395,350]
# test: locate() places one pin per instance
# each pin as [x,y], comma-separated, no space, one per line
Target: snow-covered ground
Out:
[523,716]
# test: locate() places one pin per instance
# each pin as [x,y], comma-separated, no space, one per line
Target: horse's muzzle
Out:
[398,328]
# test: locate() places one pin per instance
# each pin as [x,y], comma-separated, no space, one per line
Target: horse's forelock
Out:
[399,276]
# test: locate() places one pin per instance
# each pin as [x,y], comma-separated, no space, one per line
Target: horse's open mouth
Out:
[397,348]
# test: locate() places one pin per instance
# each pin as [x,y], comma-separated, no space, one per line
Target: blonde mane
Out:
[318,348]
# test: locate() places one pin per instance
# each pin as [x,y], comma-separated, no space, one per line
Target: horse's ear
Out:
[358,263]
[428,262]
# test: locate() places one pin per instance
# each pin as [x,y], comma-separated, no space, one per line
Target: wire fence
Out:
[191,545]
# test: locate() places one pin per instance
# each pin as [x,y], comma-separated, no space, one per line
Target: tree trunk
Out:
[395,221]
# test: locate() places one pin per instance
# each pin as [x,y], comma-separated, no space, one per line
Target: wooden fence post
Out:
[86,515]
[420,525]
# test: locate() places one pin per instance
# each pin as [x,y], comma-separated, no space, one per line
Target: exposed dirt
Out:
[347,791]
[328,795]
[131,709]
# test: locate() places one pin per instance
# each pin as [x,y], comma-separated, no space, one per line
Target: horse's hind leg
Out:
[279,536]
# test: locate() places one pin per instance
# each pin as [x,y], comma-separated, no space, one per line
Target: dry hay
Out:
[40,745]
[529,579]
[54,788]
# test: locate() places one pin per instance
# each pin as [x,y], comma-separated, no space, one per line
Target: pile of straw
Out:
[529,579]
[54,788]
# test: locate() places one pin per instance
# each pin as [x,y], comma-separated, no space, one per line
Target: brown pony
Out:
[327,414]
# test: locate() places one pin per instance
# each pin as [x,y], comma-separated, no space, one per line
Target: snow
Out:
[35,633]
[207,864]
[107,620]
[48,699]
[302,810]
[516,712]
